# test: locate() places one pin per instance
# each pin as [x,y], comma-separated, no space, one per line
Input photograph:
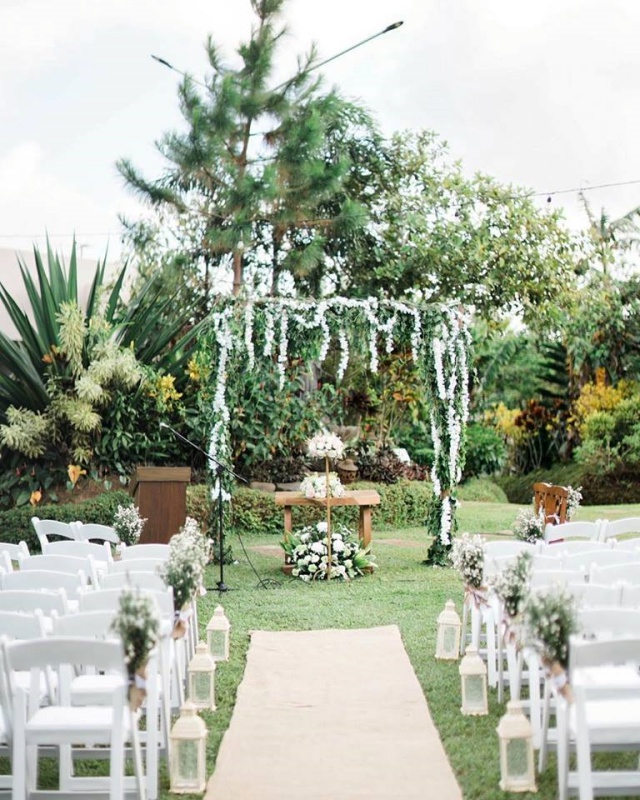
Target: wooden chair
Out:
[552,500]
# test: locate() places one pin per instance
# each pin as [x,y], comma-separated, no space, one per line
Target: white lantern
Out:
[516,751]
[218,629]
[187,753]
[449,627]
[473,674]
[202,668]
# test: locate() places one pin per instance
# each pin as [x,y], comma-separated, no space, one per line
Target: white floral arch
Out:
[246,331]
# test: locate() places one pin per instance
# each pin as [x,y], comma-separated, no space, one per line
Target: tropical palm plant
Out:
[612,237]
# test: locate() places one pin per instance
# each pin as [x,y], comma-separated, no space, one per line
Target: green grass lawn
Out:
[402,591]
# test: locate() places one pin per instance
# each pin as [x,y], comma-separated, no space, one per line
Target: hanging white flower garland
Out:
[447,356]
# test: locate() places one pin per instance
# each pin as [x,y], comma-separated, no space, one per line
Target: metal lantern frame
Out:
[201,678]
[473,676]
[449,633]
[218,627]
[187,757]
[516,745]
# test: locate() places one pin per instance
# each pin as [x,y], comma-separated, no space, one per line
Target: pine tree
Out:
[245,182]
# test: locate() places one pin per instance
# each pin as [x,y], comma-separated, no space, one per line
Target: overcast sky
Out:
[541,94]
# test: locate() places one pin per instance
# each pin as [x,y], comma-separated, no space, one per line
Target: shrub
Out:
[481,490]
[486,451]
[16,523]
[403,503]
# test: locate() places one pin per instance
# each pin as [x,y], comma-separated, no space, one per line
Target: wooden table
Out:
[363,498]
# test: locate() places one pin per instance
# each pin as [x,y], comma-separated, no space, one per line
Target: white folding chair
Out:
[632,544]
[92,531]
[571,530]
[616,573]
[137,565]
[601,558]
[151,550]
[30,600]
[55,563]
[66,725]
[588,595]
[45,579]
[143,580]
[79,549]
[551,577]
[86,686]
[611,529]
[573,546]
[629,595]
[606,712]
[14,552]
[45,528]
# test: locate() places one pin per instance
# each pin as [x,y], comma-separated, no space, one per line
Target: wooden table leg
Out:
[287,520]
[364,528]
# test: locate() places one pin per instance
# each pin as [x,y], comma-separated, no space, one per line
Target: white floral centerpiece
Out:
[314,486]
[529,526]
[511,585]
[189,554]
[325,445]
[137,623]
[550,617]
[467,556]
[307,550]
[128,524]
[574,498]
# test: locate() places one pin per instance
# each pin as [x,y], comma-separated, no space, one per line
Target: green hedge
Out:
[616,488]
[402,504]
[15,524]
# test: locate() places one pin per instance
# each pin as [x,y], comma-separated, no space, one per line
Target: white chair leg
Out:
[544,733]
[562,724]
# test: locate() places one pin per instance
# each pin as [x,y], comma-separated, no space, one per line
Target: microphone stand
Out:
[220,469]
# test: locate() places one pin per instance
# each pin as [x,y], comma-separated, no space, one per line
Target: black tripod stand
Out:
[219,471]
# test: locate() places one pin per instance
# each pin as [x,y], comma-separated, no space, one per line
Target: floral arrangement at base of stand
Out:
[467,556]
[550,618]
[511,585]
[529,526]
[137,623]
[128,524]
[574,498]
[183,571]
[306,549]
[314,486]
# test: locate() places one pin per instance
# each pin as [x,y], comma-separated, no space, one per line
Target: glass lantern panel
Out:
[449,639]
[474,691]
[201,685]
[188,760]
[517,758]
[216,643]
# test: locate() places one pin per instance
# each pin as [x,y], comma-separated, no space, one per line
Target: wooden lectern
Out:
[161,496]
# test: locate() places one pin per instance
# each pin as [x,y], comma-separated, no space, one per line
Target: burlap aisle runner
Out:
[331,715]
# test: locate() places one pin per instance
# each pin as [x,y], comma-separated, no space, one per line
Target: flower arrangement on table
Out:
[308,551]
[467,556]
[314,486]
[137,623]
[529,526]
[183,571]
[128,524]
[511,585]
[550,618]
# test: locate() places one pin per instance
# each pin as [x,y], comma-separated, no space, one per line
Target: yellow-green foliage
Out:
[25,432]
[598,397]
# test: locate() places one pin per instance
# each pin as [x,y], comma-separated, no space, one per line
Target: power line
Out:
[583,188]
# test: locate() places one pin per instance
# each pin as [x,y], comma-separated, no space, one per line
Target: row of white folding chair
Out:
[604,680]
[96,623]
[80,531]
[594,622]
[65,724]
[45,579]
[572,530]
[619,527]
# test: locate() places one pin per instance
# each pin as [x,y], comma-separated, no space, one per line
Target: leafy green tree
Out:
[437,234]
[612,239]
[243,185]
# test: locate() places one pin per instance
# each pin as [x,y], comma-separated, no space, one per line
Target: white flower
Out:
[325,445]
